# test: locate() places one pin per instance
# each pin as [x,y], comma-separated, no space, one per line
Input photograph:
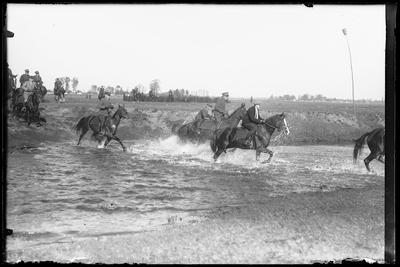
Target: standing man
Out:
[251,120]
[24,77]
[220,110]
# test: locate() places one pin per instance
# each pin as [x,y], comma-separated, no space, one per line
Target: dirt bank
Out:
[310,123]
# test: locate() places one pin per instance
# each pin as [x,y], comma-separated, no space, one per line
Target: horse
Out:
[202,130]
[29,110]
[236,137]
[97,122]
[59,94]
[376,143]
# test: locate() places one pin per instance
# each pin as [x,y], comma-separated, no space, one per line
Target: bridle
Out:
[279,129]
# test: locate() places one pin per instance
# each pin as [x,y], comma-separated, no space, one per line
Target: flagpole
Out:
[351,68]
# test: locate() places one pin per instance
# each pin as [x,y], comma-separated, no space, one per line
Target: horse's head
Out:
[122,111]
[278,122]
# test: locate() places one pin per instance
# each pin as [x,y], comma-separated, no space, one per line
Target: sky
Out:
[247,50]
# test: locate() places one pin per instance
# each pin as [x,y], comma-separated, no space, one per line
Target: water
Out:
[59,191]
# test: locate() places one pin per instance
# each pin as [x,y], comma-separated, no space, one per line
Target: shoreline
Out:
[296,228]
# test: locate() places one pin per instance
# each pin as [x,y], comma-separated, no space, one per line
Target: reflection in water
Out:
[61,190]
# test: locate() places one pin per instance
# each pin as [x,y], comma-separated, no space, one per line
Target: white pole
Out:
[351,68]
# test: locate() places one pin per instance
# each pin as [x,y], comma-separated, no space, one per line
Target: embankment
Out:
[310,123]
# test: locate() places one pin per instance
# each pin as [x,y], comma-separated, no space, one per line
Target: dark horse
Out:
[376,143]
[99,122]
[202,130]
[236,137]
[29,110]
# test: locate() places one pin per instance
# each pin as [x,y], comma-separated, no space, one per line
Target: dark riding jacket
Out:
[38,80]
[220,107]
[24,78]
[250,116]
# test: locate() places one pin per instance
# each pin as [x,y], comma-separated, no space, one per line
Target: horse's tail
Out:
[213,141]
[82,123]
[359,145]
[220,139]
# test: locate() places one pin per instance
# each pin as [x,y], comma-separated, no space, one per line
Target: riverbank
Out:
[310,123]
[296,228]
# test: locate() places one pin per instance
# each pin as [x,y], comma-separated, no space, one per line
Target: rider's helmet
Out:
[36,72]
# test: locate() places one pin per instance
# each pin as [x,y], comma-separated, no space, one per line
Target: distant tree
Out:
[110,89]
[67,80]
[93,88]
[155,87]
[305,97]
[75,82]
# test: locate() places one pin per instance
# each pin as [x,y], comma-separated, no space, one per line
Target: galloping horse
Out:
[202,130]
[236,137]
[99,122]
[376,143]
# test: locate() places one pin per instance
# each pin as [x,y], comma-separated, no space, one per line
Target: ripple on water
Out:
[105,190]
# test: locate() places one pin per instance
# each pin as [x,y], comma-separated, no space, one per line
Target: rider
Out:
[24,77]
[58,88]
[105,110]
[251,120]
[38,80]
[101,93]
[204,114]
[219,109]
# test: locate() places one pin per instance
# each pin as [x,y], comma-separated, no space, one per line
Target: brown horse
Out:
[202,131]
[104,128]
[376,143]
[236,137]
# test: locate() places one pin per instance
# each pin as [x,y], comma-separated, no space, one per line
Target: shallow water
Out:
[59,191]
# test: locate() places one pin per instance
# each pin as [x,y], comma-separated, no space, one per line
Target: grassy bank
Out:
[310,123]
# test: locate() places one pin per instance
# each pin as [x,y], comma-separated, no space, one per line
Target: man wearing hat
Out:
[252,119]
[38,80]
[204,114]
[24,77]
[219,110]
[105,112]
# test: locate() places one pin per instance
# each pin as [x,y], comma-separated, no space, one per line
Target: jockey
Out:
[105,110]
[101,93]
[38,80]
[252,119]
[219,109]
[204,114]
[24,77]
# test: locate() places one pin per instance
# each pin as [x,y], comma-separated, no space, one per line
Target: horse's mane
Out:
[272,118]
[236,110]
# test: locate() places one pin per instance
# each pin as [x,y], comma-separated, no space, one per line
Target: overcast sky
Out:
[248,50]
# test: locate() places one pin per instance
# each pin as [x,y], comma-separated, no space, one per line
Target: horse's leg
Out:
[119,141]
[380,158]
[83,132]
[266,150]
[107,141]
[258,152]
[370,158]
[217,154]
